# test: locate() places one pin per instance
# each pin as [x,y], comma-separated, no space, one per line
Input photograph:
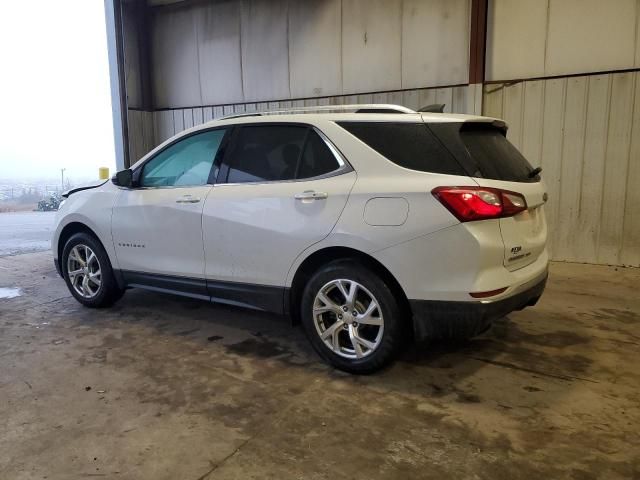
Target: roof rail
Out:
[357,108]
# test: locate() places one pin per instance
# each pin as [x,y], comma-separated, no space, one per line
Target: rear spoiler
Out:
[497,124]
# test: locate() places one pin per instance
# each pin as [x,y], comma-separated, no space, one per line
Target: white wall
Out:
[538,38]
[585,133]
[236,51]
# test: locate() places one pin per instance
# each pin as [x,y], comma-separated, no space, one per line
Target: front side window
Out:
[186,163]
[266,153]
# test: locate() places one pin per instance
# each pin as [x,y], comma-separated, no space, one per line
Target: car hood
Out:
[86,186]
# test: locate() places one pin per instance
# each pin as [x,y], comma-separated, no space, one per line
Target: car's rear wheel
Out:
[87,271]
[351,317]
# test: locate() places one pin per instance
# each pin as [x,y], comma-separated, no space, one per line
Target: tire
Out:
[383,330]
[104,294]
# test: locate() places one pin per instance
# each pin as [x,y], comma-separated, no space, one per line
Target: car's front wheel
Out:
[351,317]
[87,271]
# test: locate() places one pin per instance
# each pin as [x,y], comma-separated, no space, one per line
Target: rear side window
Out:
[484,151]
[267,153]
[316,159]
[410,145]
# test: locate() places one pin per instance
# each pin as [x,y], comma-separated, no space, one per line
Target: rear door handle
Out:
[311,195]
[187,199]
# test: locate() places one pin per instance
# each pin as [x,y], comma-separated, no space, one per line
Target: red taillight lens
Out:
[479,203]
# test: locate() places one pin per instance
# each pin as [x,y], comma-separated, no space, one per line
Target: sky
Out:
[55,99]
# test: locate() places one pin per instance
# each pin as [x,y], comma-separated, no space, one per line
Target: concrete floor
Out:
[165,387]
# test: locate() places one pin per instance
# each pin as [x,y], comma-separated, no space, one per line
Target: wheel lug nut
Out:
[339,317]
[355,313]
[345,309]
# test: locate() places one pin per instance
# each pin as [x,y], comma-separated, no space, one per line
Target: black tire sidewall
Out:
[109,290]
[393,334]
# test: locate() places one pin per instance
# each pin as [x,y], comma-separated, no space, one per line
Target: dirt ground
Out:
[164,387]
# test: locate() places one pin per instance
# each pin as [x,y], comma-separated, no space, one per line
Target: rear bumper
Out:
[434,319]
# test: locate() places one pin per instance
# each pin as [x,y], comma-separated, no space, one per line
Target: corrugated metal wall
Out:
[170,122]
[585,133]
[141,132]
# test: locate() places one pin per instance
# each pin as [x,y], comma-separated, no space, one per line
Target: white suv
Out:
[368,227]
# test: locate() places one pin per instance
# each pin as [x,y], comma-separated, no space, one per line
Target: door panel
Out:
[254,231]
[159,230]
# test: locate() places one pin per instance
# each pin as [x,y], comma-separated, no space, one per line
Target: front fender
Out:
[93,209]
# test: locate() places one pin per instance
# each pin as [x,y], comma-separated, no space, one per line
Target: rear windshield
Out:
[410,145]
[484,151]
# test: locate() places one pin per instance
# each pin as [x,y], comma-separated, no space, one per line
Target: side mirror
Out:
[124,178]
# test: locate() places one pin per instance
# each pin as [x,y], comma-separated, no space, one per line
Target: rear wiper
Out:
[534,172]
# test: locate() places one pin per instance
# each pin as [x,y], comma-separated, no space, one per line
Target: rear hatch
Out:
[486,155]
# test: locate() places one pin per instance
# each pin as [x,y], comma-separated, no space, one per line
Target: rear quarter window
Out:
[410,145]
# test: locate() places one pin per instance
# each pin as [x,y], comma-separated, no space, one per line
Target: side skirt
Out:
[265,298]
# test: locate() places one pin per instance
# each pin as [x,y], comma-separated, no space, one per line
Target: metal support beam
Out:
[478,40]
[141,16]
[113,17]
[477,53]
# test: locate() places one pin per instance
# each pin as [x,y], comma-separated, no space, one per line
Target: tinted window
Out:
[266,153]
[484,151]
[278,152]
[185,163]
[494,156]
[317,159]
[410,145]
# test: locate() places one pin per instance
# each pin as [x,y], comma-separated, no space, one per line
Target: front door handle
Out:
[187,199]
[311,195]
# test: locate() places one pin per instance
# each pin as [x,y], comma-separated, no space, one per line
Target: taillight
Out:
[480,203]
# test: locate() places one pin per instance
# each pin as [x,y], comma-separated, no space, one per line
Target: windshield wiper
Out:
[534,172]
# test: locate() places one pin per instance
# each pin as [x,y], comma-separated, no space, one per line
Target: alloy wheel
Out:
[348,318]
[83,269]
